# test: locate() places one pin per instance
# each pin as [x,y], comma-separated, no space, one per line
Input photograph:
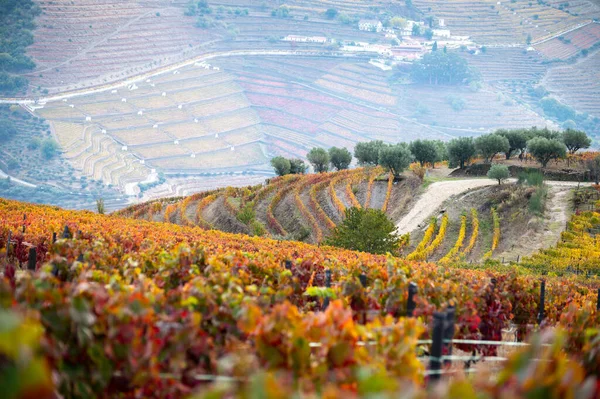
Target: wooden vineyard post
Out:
[410,302]
[53,237]
[449,333]
[327,285]
[8,242]
[598,300]
[363,281]
[542,309]
[437,336]
[288,264]
[66,233]
[32,260]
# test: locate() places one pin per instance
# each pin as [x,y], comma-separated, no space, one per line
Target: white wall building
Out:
[370,25]
[441,32]
[305,39]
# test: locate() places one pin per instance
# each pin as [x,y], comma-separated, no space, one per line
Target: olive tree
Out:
[396,158]
[575,140]
[498,172]
[319,158]
[460,151]
[544,150]
[340,158]
[491,144]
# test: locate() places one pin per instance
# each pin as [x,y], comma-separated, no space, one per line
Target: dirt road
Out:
[435,195]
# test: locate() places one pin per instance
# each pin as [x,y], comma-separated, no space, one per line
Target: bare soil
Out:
[218,215]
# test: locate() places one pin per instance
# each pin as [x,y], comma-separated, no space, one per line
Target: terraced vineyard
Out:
[89,41]
[492,22]
[577,85]
[191,120]
[571,44]
[308,207]
[285,206]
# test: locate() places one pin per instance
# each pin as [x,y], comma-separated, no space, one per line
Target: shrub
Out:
[49,148]
[367,230]
[498,172]
[246,214]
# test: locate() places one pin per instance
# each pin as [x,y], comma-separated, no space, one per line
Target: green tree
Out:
[435,46]
[340,158]
[100,206]
[545,150]
[441,68]
[395,157]
[491,144]
[281,12]
[460,151]
[416,30]
[442,150]
[331,13]
[367,230]
[368,153]
[281,165]
[319,158]
[575,140]
[49,148]
[297,166]
[424,151]
[498,172]
[398,22]
[517,140]
[428,34]
[7,130]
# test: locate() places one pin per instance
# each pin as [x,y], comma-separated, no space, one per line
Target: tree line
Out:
[543,145]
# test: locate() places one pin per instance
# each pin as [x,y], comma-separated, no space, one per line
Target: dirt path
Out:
[558,211]
[433,197]
[438,192]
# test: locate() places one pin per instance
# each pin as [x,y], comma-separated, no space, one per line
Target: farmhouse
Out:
[407,51]
[370,25]
[362,47]
[441,32]
[305,39]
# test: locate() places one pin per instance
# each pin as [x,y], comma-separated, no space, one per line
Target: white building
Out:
[305,39]
[370,25]
[441,32]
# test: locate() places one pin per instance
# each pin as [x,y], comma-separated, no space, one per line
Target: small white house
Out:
[88,118]
[164,94]
[370,25]
[441,32]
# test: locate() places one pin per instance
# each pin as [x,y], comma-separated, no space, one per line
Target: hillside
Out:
[164,306]
[308,207]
